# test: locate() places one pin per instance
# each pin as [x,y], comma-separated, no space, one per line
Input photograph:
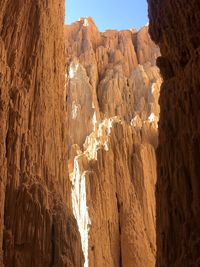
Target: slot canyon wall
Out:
[174,26]
[113,89]
[107,138]
[37,226]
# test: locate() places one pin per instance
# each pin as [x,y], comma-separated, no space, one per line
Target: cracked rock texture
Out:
[37,226]
[112,114]
[174,26]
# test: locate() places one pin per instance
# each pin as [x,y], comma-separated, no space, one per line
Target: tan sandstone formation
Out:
[37,227]
[113,89]
[174,26]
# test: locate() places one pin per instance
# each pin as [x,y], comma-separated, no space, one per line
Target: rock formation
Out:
[113,88]
[109,133]
[174,26]
[37,227]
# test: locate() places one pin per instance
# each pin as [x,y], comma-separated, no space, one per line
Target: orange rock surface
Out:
[98,116]
[37,226]
[113,89]
[174,26]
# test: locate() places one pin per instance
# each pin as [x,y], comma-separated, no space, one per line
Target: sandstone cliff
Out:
[113,89]
[37,227]
[174,26]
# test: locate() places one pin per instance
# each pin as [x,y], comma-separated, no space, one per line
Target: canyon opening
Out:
[99,130]
[113,88]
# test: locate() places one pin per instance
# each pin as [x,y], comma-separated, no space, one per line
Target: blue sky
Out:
[109,14]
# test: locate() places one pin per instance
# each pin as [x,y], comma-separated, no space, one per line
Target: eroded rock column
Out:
[174,26]
[37,226]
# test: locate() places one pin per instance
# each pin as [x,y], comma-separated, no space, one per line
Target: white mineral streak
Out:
[152,117]
[153,87]
[98,138]
[94,121]
[86,22]
[79,204]
[136,122]
[74,111]
[73,69]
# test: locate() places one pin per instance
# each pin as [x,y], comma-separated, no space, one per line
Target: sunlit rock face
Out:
[115,74]
[112,115]
[174,25]
[37,226]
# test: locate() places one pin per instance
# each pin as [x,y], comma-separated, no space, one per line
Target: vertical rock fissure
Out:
[120,243]
[52,246]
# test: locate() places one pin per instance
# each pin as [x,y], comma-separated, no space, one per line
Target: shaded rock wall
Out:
[37,227]
[112,114]
[174,26]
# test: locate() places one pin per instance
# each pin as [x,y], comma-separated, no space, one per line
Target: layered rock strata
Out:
[174,26]
[112,114]
[37,227]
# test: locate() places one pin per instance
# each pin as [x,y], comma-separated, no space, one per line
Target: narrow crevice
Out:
[120,249]
[52,246]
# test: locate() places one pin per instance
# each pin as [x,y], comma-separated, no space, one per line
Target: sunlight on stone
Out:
[98,138]
[75,110]
[73,69]
[86,22]
[153,87]
[79,204]
[151,118]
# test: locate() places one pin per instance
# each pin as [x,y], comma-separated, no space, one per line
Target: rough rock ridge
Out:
[37,227]
[174,26]
[113,89]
